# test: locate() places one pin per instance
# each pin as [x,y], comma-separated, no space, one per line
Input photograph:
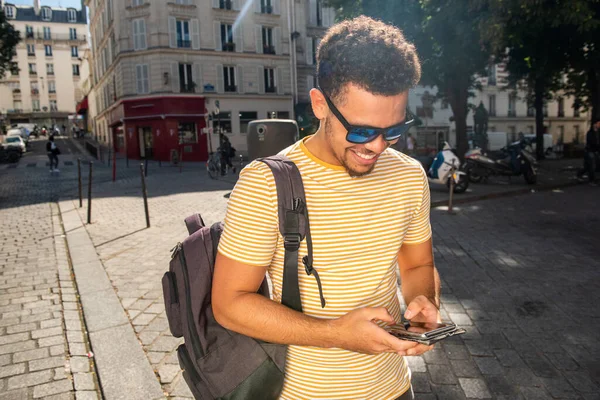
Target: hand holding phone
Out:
[426,333]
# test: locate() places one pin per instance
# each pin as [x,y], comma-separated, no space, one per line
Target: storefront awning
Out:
[82,106]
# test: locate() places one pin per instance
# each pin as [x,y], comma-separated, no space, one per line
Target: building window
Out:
[14,68]
[49,69]
[183,33]
[512,131]
[47,33]
[29,31]
[75,69]
[576,133]
[139,34]
[48,50]
[227,38]
[492,105]
[32,69]
[138,3]
[512,105]
[35,104]
[74,51]
[51,87]
[46,13]
[545,109]
[530,129]
[142,78]
[184,2]
[245,118]
[225,4]
[561,107]
[278,115]
[9,11]
[72,34]
[229,79]
[267,40]
[269,76]
[186,84]
[34,88]
[266,7]
[575,111]
[319,13]
[492,75]
[31,49]
[530,110]
[17,105]
[188,132]
[222,122]
[72,15]
[53,105]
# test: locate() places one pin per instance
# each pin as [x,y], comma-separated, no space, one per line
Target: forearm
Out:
[422,280]
[254,315]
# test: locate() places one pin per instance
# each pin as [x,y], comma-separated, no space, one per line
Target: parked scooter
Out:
[444,167]
[513,160]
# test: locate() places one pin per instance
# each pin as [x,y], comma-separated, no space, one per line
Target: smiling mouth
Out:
[364,158]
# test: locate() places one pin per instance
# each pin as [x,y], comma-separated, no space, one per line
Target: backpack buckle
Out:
[291,241]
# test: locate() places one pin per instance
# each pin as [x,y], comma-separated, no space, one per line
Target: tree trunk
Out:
[457,97]
[539,118]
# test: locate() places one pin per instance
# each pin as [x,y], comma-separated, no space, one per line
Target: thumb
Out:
[382,314]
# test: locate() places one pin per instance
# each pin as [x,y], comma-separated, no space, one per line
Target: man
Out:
[592,152]
[226,151]
[53,153]
[369,212]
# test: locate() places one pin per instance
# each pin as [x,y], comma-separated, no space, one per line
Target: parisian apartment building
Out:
[171,76]
[42,86]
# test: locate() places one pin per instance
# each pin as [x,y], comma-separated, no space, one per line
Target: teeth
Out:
[365,156]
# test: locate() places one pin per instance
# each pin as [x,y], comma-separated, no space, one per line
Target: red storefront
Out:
[152,127]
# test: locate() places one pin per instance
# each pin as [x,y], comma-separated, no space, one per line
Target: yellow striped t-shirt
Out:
[358,225]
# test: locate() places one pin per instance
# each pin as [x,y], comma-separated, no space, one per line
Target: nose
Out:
[377,145]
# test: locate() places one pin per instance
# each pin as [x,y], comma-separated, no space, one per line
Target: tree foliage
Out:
[9,38]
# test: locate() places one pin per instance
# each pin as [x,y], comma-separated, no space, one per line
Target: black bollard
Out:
[145,195]
[146,167]
[89,216]
[452,183]
[79,180]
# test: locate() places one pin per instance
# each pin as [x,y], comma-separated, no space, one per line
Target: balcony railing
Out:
[561,113]
[512,113]
[49,72]
[231,88]
[187,88]
[35,92]
[16,91]
[266,9]
[270,89]
[268,49]
[54,36]
[225,4]
[492,113]
[228,46]
[32,72]
[186,44]
[29,35]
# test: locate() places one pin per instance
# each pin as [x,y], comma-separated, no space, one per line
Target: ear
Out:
[319,105]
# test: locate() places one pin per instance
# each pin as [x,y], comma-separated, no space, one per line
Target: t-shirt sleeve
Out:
[419,229]
[251,223]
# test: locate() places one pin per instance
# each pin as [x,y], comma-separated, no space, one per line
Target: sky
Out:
[52,3]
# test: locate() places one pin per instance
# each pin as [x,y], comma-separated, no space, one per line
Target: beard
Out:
[344,157]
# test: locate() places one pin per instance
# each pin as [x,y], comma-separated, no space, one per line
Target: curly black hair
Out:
[368,53]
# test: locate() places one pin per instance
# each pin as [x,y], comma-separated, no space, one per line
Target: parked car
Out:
[9,154]
[14,141]
[21,132]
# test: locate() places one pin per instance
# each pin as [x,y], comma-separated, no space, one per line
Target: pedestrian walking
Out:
[410,144]
[368,207]
[53,152]
[591,157]
[227,153]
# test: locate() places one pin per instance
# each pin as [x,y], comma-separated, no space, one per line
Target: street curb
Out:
[509,193]
[123,369]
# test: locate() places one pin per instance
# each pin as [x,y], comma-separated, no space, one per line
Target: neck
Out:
[320,148]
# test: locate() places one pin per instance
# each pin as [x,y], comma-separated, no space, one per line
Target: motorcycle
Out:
[444,168]
[513,160]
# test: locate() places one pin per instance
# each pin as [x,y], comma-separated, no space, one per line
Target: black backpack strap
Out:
[294,227]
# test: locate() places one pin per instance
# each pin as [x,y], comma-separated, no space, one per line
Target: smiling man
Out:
[369,215]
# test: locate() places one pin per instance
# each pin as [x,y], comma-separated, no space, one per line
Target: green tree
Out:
[448,40]
[9,38]
[531,36]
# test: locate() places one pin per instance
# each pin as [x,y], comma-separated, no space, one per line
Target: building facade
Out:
[171,76]
[42,87]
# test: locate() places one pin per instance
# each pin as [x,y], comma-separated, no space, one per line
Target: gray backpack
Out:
[218,363]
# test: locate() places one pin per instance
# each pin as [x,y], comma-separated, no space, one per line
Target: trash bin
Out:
[267,137]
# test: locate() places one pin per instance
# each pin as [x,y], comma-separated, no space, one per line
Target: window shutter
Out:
[279,80]
[277,40]
[142,33]
[172,32]
[239,78]
[175,77]
[310,82]
[195,34]
[237,5]
[261,79]
[134,30]
[197,76]
[145,78]
[215,3]
[275,4]
[256,6]
[138,79]
[217,32]
[309,51]
[220,79]
[312,12]
[258,37]
[238,39]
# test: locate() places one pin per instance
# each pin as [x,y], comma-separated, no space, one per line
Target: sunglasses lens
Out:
[361,135]
[395,133]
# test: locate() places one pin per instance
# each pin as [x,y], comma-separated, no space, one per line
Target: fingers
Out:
[421,305]
[380,313]
[418,349]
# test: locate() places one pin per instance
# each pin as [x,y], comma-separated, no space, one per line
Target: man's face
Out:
[362,108]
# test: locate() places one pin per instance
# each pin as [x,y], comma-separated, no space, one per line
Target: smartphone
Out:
[424,332]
